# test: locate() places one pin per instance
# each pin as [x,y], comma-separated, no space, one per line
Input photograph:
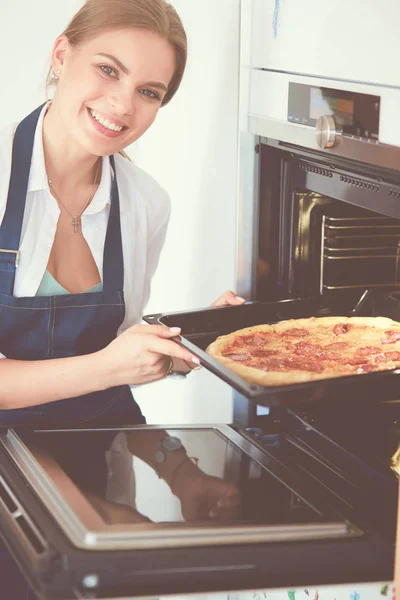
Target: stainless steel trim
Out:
[86,529]
[247,183]
[16,252]
[326,131]
[247,200]
[356,249]
[360,257]
[366,237]
[360,219]
[15,515]
[359,287]
[321,258]
[356,227]
[381,155]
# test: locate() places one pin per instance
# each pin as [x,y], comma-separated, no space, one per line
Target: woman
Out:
[117,62]
[86,227]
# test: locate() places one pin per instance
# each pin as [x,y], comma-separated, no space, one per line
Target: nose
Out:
[123,101]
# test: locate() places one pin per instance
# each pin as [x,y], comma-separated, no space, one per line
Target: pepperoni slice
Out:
[259,338]
[368,351]
[336,346]
[387,356]
[239,357]
[391,337]
[367,368]
[328,355]
[307,349]
[273,364]
[296,332]
[306,365]
[262,352]
[230,350]
[356,361]
[341,328]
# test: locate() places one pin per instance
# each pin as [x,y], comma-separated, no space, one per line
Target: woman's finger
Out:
[228,298]
[159,330]
[170,348]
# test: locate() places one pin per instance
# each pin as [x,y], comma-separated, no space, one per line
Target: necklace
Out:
[76,219]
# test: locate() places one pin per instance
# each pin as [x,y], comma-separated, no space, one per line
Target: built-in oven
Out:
[325,218]
[305,512]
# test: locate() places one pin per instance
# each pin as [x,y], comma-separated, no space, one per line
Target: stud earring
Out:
[58,71]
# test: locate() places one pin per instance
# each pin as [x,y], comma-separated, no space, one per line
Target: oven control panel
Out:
[334,112]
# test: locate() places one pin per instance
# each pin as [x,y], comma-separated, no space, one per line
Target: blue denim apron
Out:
[40,328]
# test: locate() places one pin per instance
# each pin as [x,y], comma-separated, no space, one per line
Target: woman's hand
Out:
[228,298]
[143,354]
[203,496]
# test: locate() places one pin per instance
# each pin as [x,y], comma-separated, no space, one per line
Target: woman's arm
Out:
[28,383]
[140,355]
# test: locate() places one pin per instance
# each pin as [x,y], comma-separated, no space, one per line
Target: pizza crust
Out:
[272,377]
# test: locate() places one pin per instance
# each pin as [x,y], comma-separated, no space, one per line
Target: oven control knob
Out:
[327,131]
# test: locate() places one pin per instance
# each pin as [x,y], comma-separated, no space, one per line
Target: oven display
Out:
[356,114]
[323,104]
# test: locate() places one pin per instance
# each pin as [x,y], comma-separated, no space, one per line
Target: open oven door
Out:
[304,510]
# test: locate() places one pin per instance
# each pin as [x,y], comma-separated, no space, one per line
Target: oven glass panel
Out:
[118,475]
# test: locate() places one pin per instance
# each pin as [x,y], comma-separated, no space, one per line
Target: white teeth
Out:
[107,124]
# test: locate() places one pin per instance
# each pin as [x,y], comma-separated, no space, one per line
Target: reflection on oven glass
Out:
[174,476]
[395,462]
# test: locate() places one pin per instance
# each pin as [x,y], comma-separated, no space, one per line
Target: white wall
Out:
[191,150]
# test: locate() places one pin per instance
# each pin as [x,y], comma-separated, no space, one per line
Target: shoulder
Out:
[138,187]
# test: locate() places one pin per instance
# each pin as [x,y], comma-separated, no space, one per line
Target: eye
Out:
[107,70]
[150,94]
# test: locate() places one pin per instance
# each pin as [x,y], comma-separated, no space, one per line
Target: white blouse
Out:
[145,211]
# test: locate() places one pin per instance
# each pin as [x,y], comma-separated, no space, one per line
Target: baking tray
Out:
[201,327]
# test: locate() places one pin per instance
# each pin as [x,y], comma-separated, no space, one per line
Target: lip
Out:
[101,129]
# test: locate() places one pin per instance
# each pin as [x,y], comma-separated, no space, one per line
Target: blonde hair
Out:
[158,16]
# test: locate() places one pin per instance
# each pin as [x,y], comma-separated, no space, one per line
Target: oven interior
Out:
[325,226]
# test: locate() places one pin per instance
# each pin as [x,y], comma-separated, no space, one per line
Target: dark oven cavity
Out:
[325,226]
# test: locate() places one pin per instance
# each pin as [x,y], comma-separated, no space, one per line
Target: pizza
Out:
[300,350]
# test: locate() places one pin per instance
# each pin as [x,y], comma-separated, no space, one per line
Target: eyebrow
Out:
[119,64]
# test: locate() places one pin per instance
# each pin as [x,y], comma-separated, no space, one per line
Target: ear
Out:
[60,51]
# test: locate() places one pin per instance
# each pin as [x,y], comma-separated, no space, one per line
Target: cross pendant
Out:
[75,223]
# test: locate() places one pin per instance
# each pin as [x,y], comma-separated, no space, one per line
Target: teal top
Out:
[50,287]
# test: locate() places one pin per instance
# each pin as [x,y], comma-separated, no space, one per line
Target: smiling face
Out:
[111,87]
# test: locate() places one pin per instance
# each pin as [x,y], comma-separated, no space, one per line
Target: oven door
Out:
[81,525]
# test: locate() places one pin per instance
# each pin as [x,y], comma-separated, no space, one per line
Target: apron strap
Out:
[113,259]
[10,231]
